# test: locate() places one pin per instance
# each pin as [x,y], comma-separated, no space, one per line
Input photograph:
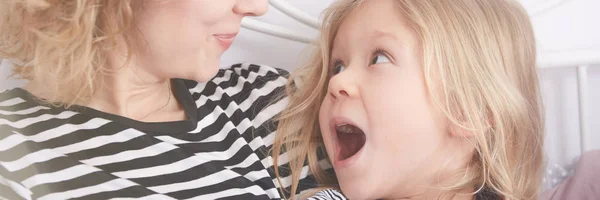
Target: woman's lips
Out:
[225,40]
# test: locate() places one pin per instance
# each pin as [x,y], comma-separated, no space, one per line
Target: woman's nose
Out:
[251,7]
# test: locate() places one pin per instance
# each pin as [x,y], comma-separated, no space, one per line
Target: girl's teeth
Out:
[345,129]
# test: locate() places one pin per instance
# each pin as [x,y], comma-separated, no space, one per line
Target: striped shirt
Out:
[220,152]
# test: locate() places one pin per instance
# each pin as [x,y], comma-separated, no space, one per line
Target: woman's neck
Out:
[130,91]
[135,92]
[127,94]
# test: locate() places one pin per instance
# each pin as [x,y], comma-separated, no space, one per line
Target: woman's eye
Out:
[338,68]
[380,58]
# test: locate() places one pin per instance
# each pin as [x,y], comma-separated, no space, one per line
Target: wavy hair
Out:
[62,44]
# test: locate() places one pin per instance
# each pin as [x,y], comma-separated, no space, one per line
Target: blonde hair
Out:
[479,60]
[62,44]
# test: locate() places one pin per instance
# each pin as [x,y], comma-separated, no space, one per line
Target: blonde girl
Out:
[418,99]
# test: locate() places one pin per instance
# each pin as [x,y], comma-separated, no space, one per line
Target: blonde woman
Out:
[125,99]
[418,99]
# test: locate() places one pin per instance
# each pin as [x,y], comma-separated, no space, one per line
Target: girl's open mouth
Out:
[349,141]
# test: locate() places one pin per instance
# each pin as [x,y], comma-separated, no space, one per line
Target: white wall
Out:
[571,26]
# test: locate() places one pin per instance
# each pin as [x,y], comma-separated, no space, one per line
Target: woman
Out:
[121,102]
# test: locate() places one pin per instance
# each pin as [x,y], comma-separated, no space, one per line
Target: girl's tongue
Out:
[350,140]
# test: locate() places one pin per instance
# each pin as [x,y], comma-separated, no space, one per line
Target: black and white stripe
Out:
[330,194]
[220,152]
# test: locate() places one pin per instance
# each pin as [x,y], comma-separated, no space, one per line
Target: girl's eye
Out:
[380,58]
[339,67]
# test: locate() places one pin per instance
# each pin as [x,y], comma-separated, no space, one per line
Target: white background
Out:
[574,25]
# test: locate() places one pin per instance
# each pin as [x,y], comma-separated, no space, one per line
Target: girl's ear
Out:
[462,131]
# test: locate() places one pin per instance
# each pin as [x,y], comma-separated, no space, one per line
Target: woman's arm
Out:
[9,189]
[12,190]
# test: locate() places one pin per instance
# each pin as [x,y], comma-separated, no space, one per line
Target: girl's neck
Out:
[466,194]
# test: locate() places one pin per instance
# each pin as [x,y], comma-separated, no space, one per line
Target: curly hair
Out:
[62,44]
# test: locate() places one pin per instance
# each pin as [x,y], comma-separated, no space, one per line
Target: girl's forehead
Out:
[371,18]
[368,25]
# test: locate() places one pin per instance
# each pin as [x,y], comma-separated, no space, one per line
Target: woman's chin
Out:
[205,73]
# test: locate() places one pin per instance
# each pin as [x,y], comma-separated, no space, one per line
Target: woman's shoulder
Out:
[243,91]
[247,85]
[19,108]
[15,101]
[246,69]
[242,76]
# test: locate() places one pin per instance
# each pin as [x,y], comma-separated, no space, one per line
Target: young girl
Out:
[422,99]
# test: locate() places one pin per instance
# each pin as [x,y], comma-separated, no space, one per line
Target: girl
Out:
[422,99]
